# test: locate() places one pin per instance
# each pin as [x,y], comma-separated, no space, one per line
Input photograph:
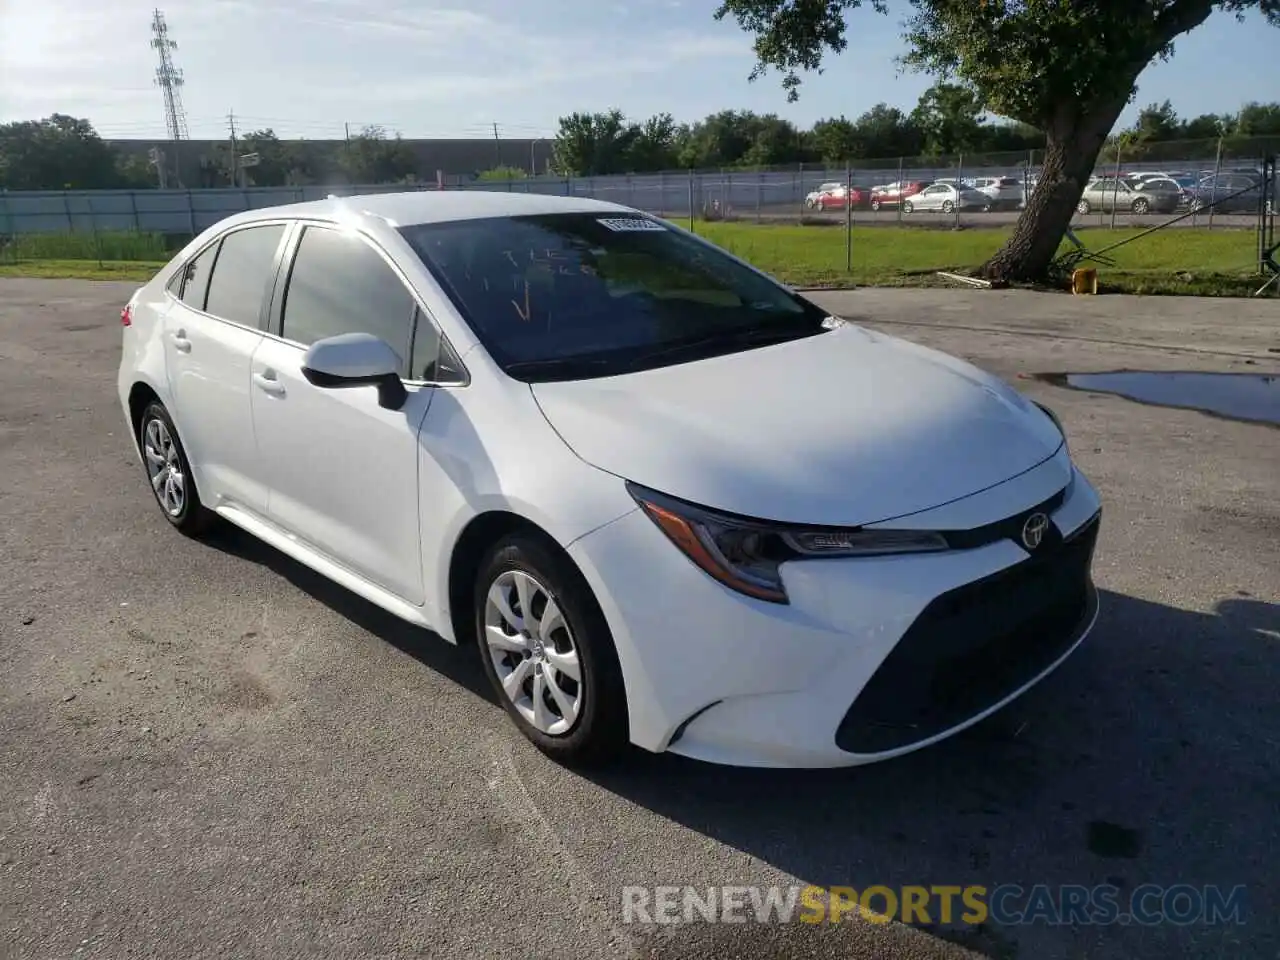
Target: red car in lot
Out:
[836,199]
[894,193]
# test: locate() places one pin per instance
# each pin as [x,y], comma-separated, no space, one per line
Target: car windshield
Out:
[573,295]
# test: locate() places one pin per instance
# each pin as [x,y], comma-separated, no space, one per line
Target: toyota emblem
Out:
[1033,530]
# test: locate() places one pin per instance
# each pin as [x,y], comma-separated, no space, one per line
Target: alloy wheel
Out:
[533,652]
[164,467]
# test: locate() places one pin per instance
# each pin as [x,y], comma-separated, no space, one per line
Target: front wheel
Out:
[548,652]
[875,206]
[169,471]
[1141,207]
[1083,207]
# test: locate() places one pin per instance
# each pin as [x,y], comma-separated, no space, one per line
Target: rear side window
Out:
[339,284]
[196,278]
[241,273]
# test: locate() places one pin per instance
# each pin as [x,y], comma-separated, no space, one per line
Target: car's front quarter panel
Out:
[486,447]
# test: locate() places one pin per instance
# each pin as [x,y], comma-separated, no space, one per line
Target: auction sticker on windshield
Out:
[628,224]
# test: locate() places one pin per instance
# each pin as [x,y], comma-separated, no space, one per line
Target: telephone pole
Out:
[169,80]
[235,150]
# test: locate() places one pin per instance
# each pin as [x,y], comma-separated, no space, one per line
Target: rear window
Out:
[245,263]
[602,291]
[1008,182]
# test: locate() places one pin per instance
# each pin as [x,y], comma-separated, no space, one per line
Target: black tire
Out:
[1083,208]
[1141,207]
[193,518]
[600,732]
[875,205]
[908,206]
[948,206]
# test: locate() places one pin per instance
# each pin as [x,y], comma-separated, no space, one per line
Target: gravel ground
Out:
[210,751]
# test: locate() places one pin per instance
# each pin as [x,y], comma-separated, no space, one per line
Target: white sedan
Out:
[947,198]
[671,502]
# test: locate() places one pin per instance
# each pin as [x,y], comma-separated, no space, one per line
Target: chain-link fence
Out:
[1217,186]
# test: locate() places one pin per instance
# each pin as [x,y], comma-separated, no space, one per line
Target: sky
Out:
[449,68]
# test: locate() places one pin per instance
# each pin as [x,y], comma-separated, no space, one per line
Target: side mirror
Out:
[356,360]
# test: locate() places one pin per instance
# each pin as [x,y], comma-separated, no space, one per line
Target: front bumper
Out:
[872,658]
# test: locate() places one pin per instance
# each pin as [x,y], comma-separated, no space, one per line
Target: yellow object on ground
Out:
[1084,280]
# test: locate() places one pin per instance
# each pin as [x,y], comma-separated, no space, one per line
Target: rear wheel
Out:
[1141,206]
[948,206]
[169,471]
[1083,207]
[908,206]
[548,652]
[875,205]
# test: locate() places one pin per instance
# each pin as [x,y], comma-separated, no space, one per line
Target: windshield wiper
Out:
[748,337]
[565,366]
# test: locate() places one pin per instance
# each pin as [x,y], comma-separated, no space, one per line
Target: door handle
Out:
[181,343]
[269,384]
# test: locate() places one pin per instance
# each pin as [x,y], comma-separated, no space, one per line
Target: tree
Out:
[837,140]
[503,173]
[372,156]
[654,144]
[280,162]
[1066,68]
[888,132]
[948,118]
[594,144]
[57,153]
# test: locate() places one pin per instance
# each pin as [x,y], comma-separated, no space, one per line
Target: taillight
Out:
[126,315]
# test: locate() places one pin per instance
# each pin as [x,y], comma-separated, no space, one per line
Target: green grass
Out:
[81,269]
[1180,260]
[115,245]
[1175,261]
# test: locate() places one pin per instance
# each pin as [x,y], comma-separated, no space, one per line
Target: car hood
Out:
[847,427]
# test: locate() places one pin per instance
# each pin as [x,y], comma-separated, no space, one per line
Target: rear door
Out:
[210,336]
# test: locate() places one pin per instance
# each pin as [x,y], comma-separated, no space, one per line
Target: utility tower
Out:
[169,80]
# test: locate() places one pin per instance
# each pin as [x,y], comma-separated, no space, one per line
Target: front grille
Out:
[974,645]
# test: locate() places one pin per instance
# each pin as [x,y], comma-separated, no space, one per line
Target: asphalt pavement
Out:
[210,751]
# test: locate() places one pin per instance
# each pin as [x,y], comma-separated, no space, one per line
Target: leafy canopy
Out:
[1026,59]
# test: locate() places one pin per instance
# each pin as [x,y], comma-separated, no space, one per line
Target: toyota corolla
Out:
[670,501]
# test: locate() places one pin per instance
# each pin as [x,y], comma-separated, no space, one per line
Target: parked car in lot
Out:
[891,195]
[1005,193]
[555,428]
[813,199]
[947,198]
[1166,185]
[1227,193]
[841,197]
[1116,193]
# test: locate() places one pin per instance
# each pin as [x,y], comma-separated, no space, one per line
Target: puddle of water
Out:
[1250,397]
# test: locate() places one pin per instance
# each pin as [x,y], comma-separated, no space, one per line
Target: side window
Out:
[240,275]
[195,278]
[433,359]
[339,284]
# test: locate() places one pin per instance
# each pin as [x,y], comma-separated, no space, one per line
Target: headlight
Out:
[1056,422]
[746,555]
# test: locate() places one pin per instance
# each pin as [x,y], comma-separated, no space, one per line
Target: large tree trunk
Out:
[1072,144]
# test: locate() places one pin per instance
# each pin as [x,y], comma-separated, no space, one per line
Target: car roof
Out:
[433,206]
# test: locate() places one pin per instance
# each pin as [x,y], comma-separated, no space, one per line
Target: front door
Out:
[343,471]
